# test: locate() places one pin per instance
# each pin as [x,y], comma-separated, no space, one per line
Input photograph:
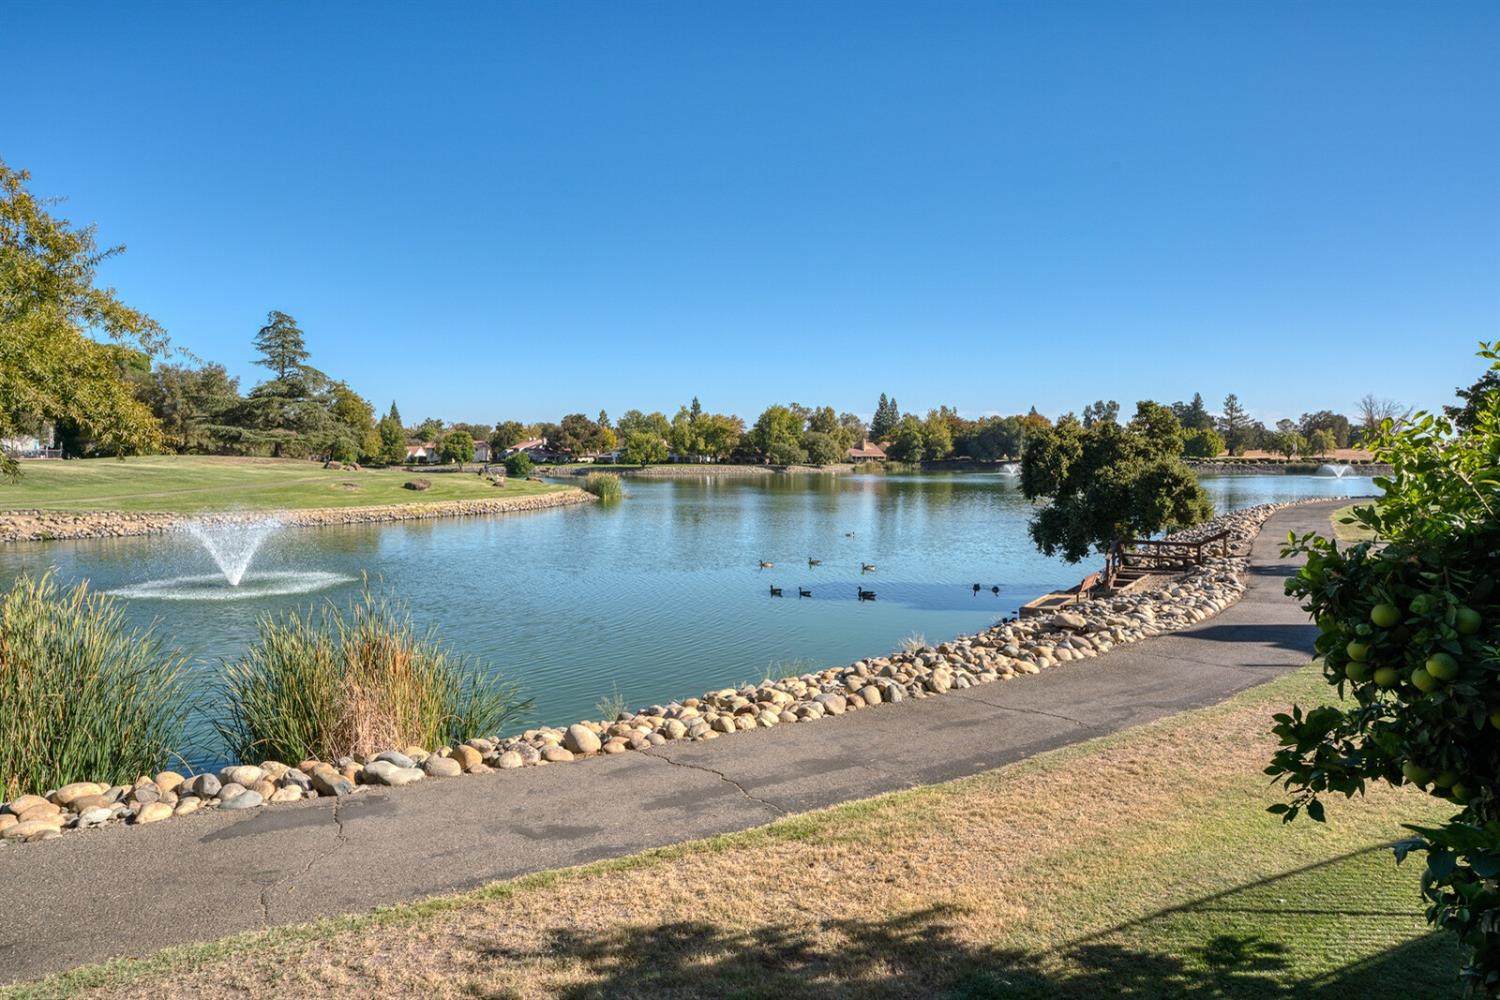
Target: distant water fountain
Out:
[232,544]
[1337,471]
[1010,468]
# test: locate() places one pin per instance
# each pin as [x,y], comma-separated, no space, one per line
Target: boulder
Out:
[442,767]
[151,812]
[383,772]
[417,484]
[581,739]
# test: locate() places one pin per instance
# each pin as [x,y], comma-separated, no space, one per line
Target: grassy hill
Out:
[192,484]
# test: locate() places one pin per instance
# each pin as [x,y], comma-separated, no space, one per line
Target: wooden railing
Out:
[1158,554]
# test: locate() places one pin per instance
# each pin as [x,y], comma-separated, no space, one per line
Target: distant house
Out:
[481,451]
[866,451]
[421,454]
[537,450]
[31,445]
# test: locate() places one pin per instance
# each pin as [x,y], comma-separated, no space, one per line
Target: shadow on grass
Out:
[1222,945]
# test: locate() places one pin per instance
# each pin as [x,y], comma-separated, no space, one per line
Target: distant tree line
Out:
[73,357]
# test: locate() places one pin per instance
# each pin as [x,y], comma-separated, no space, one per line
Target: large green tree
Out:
[1108,483]
[53,366]
[281,345]
[1194,415]
[353,423]
[1235,426]
[582,437]
[777,436]
[192,405]
[507,434]
[644,446]
[887,416]
[392,437]
[1326,420]
[288,415]
[908,442]
[937,434]
[457,446]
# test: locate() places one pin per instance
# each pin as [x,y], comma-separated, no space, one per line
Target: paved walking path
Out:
[129,891]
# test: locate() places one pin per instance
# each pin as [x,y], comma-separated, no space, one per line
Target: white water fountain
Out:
[233,544]
[1010,468]
[1337,471]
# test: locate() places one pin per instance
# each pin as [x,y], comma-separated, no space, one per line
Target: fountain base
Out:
[214,587]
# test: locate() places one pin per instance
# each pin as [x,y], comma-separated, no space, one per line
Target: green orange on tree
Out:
[1442,666]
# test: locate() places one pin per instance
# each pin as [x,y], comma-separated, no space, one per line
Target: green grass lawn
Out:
[1136,865]
[191,484]
[1355,532]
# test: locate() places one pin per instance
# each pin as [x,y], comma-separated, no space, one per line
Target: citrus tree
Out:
[1409,635]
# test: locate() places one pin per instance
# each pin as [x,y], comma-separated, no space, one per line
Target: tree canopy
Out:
[53,367]
[1106,483]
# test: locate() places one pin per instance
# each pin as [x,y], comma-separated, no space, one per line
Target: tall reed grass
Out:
[604,485]
[83,696]
[327,685]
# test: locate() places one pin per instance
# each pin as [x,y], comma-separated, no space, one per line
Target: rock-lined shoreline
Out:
[696,470]
[56,525]
[1005,651]
[1275,468]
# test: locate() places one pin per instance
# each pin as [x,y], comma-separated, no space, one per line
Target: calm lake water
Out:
[655,598]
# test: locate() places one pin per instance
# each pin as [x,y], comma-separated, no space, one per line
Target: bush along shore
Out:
[52,525]
[1003,652]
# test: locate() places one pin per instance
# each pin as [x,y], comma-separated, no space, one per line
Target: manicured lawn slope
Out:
[1140,865]
[189,484]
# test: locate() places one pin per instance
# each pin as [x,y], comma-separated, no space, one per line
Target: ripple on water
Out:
[213,586]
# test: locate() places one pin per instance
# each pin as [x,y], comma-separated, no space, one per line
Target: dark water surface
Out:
[657,597]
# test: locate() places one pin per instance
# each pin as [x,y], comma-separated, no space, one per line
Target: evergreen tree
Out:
[288,415]
[1234,424]
[392,437]
[884,421]
[280,345]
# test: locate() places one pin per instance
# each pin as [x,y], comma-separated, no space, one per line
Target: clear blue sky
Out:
[520,210]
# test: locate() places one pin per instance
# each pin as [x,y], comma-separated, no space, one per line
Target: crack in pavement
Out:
[1026,711]
[340,840]
[719,774]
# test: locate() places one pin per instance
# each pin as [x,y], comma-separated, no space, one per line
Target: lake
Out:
[657,597]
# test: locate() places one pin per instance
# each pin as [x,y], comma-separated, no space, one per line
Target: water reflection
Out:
[657,597]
